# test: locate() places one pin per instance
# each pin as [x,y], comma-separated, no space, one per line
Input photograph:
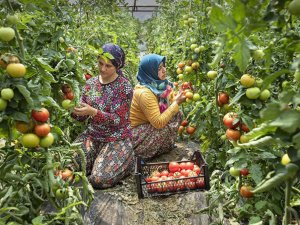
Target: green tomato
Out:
[193,46]
[253,93]
[258,54]
[3,104]
[234,172]
[297,76]
[212,74]
[196,97]
[188,69]
[264,95]
[180,76]
[285,159]
[7,93]
[12,19]
[61,39]
[294,7]
[30,140]
[258,82]
[7,33]
[47,141]
[67,104]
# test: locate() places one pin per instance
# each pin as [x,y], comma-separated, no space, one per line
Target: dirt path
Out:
[120,205]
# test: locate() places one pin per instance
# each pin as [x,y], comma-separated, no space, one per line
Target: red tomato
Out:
[223,98]
[186,85]
[185,172]
[65,88]
[192,174]
[244,172]
[245,128]
[180,184]
[189,166]
[197,169]
[184,123]
[66,174]
[174,167]
[190,130]
[230,120]
[40,115]
[42,130]
[200,183]
[180,129]
[164,173]
[233,135]
[177,174]
[155,173]
[190,184]
[182,165]
[87,76]
[69,95]
[170,184]
[246,191]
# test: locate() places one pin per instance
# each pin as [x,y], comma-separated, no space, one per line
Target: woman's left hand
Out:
[85,110]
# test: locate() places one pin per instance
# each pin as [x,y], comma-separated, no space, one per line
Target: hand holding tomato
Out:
[85,110]
[180,97]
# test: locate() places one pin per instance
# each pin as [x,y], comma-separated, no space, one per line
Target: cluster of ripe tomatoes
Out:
[178,176]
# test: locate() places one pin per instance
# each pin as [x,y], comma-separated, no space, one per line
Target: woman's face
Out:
[106,68]
[162,72]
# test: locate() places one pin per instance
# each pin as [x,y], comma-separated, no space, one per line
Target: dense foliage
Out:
[47,51]
[242,58]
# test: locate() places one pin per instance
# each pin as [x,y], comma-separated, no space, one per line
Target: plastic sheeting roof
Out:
[142,9]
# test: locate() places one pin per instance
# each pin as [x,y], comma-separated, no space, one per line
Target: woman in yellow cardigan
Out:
[154,118]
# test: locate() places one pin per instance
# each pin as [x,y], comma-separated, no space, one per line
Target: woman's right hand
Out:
[180,97]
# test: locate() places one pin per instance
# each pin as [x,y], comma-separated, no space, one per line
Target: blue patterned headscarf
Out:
[148,77]
[148,73]
[118,54]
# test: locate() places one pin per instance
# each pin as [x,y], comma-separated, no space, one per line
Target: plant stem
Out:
[286,217]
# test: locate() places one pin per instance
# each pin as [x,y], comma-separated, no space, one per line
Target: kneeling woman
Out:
[154,119]
[105,103]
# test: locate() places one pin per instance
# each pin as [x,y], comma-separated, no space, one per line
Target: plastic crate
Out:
[169,186]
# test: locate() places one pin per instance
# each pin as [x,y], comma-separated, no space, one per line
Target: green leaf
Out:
[23,90]
[256,173]
[288,121]
[239,11]
[241,55]
[271,112]
[264,141]
[237,97]
[45,65]
[269,79]
[220,21]
[255,220]
[20,116]
[262,130]
[48,76]
[38,220]
[267,155]
[296,140]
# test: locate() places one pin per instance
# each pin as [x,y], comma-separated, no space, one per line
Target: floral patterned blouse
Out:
[111,123]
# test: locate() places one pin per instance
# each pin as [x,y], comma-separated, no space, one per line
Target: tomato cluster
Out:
[68,96]
[66,174]
[178,177]
[37,132]
[235,127]
[188,129]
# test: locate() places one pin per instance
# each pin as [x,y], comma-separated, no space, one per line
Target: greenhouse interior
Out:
[130,112]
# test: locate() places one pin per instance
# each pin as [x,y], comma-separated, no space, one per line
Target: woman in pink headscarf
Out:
[105,103]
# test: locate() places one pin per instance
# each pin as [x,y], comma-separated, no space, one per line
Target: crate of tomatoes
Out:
[166,178]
